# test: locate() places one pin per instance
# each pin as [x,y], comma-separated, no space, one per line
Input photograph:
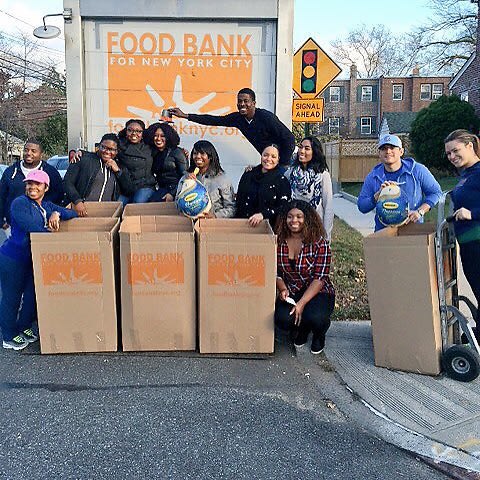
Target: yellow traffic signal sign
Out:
[307,110]
[313,70]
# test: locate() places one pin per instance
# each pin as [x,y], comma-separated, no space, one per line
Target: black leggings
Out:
[315,316]
[470,255]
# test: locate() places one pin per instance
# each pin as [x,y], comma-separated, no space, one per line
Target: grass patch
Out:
[348,273]
[353,188]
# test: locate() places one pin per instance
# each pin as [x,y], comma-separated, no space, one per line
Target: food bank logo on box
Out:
[236,270]
[151,70]
[71,268]
[155,268]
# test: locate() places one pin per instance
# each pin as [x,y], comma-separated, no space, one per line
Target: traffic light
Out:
[308,81]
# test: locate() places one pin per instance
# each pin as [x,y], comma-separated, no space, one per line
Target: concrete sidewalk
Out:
[435,417]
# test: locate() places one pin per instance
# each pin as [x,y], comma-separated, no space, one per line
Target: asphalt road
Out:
[150,416]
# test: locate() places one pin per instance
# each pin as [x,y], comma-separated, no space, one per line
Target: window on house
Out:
[398,92]
[367,94]
[464,96]
[334,94]
[365,125]
[437,90]
[333,125]
[425,91]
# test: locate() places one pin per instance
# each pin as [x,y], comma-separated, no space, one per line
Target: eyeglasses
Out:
[135,130]
[107,149]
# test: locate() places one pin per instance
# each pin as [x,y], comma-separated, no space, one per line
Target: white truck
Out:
[129,59]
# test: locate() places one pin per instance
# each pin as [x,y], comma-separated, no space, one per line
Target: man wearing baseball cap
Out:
[29,213]
[414,179]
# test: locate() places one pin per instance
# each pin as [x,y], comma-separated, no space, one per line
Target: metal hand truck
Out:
[460,361]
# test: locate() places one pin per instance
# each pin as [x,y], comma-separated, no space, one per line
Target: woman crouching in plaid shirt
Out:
[303,264]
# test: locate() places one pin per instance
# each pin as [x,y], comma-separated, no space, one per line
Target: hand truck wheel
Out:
[461,363]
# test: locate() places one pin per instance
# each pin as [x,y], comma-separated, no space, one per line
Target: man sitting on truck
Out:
[260,127]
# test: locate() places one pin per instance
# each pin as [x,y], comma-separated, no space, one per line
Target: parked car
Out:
[60,162]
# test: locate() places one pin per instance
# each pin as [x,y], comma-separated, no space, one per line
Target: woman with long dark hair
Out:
[463,152]
[263,190]
[169,160]
[306,297]
[204,156]
[311,181]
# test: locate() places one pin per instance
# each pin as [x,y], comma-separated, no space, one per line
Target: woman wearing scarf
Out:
[311,181]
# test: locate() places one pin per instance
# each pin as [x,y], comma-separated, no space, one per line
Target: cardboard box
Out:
[236,286]
[158,283]
[403,298]
[102,209]
[148,209]
[75,286]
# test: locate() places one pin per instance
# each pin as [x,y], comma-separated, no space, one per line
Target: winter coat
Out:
[264,193]
[80,176]
[168,168]
[138,160]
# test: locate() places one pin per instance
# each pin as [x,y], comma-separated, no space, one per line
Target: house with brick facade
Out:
[356,107]
[466,83]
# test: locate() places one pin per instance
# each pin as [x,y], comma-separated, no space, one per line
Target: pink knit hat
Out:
[38,176]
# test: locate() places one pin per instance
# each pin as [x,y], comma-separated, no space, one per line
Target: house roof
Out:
[462,70]
[399,122]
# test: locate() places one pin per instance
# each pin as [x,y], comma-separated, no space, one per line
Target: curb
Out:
[348,196]
[446,459]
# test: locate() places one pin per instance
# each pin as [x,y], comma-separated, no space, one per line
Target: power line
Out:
[28,72]
[23,59]
[19,40]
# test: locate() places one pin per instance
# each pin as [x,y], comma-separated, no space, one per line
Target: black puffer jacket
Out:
[137,159]
[264,193]
[169,167]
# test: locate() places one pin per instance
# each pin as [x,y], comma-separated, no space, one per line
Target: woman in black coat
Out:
[136,157]
[169,161]
[263,191]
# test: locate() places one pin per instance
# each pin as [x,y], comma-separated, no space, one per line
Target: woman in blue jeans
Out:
[306,296]
[29,213]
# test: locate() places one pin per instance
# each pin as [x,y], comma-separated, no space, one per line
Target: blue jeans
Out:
[16,279]
[142,195]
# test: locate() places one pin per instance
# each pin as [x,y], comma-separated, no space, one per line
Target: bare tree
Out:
[23,69]
[376,51]
[448,39]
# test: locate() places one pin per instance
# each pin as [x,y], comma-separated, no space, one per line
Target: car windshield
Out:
[59,162]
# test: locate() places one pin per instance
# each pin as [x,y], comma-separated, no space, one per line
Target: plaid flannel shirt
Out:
[313,263]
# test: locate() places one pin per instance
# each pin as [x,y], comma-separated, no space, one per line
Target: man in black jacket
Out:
[260,127]
[97,176]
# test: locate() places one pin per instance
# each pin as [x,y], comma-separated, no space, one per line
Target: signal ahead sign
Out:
[313,70]
[307,110]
